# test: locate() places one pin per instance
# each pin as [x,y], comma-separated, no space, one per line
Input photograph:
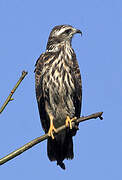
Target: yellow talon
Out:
[69,121]
[52,129]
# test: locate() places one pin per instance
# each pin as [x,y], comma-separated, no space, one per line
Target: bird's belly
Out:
[60,90]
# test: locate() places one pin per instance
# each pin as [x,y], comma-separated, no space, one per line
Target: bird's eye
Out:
[68,31]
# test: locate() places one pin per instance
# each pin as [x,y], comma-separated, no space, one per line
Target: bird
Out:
[58,88]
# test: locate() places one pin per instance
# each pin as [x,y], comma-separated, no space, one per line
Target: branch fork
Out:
[9,98]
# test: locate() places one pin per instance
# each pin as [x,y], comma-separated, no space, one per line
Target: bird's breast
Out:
[58,86]
[59,76]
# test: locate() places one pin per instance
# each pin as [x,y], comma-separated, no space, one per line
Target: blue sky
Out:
[24,30]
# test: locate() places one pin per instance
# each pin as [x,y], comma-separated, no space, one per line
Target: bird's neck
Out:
[65,46]
[68,51]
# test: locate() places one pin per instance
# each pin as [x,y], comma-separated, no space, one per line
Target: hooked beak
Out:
[78,31]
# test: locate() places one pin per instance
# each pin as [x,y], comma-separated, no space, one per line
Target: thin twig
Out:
[44,137]
[9,98]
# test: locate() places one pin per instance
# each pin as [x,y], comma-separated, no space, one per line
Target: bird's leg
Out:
[69,122]
[52,128]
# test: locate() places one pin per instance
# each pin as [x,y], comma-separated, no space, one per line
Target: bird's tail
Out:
[60,148]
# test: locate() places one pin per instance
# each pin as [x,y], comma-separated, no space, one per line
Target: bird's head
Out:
[61,34]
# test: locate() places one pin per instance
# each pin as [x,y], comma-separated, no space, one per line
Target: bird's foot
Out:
[51,131]
[69,122]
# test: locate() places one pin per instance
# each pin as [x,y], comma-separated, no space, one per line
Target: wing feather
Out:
[39,90]
[78,87]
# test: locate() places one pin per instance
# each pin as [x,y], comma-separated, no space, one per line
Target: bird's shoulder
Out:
[76,69]
[44,57]
[41,63]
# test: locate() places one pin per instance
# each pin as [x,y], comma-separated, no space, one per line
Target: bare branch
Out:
[9,98]
[44,137]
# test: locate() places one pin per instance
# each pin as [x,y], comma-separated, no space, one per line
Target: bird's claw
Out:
[69,122]
[51,131]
